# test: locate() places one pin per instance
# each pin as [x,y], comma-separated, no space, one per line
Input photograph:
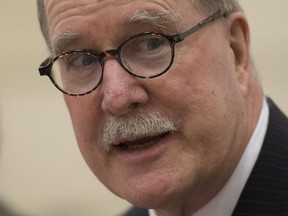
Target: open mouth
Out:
[141,143]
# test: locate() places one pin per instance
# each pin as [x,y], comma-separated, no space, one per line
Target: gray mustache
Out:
[133,126]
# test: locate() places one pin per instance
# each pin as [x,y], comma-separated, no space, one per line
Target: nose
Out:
[121,92]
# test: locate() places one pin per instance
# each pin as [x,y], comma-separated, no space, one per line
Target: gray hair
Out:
[141,123]
[43,20]
[209,7]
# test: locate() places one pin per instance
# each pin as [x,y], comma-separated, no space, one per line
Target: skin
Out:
[210,90]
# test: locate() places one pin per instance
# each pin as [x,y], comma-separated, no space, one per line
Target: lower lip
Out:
[149,153]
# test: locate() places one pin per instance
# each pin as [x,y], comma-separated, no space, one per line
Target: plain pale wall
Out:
[41,170]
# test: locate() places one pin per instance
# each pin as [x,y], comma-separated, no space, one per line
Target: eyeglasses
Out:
[145,55]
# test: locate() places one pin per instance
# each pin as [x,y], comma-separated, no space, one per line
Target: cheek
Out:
[86,120]
[205,78]
[203,91]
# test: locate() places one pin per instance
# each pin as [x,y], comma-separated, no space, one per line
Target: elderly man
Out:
[166,105]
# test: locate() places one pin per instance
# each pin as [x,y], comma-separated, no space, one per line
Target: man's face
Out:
[200,96]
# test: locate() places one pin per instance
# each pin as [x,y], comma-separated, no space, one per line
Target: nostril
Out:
[134,105]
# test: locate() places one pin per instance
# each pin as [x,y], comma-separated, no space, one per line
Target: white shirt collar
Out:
[225,201]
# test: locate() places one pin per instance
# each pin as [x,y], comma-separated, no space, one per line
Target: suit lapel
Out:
[266,191]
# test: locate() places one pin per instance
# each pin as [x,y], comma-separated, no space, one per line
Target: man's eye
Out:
[149,44]
[82,60]
[154,44]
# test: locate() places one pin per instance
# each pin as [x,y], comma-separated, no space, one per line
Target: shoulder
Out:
[136,212]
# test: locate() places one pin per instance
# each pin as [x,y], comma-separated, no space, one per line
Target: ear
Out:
[240,44]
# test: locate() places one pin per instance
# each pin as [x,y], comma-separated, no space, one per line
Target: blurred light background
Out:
[41,170]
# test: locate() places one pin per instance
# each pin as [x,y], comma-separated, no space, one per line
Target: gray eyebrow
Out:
[63,40]
[157,18]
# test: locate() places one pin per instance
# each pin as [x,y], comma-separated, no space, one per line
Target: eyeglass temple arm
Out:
[202,24]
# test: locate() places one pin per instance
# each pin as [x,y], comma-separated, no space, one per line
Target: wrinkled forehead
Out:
[65,15]
[156,8]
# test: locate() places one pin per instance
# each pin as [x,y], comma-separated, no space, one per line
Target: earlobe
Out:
[239,43]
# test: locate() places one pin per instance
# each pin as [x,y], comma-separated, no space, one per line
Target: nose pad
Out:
[121,92]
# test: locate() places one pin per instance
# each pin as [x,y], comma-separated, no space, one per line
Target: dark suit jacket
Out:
[266,191]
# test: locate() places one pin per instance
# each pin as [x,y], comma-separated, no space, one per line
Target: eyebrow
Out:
[155,17]
[63,40]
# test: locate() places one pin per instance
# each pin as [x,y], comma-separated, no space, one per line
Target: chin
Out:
[152,193]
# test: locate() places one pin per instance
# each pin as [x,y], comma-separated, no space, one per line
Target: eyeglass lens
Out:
[77,72]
